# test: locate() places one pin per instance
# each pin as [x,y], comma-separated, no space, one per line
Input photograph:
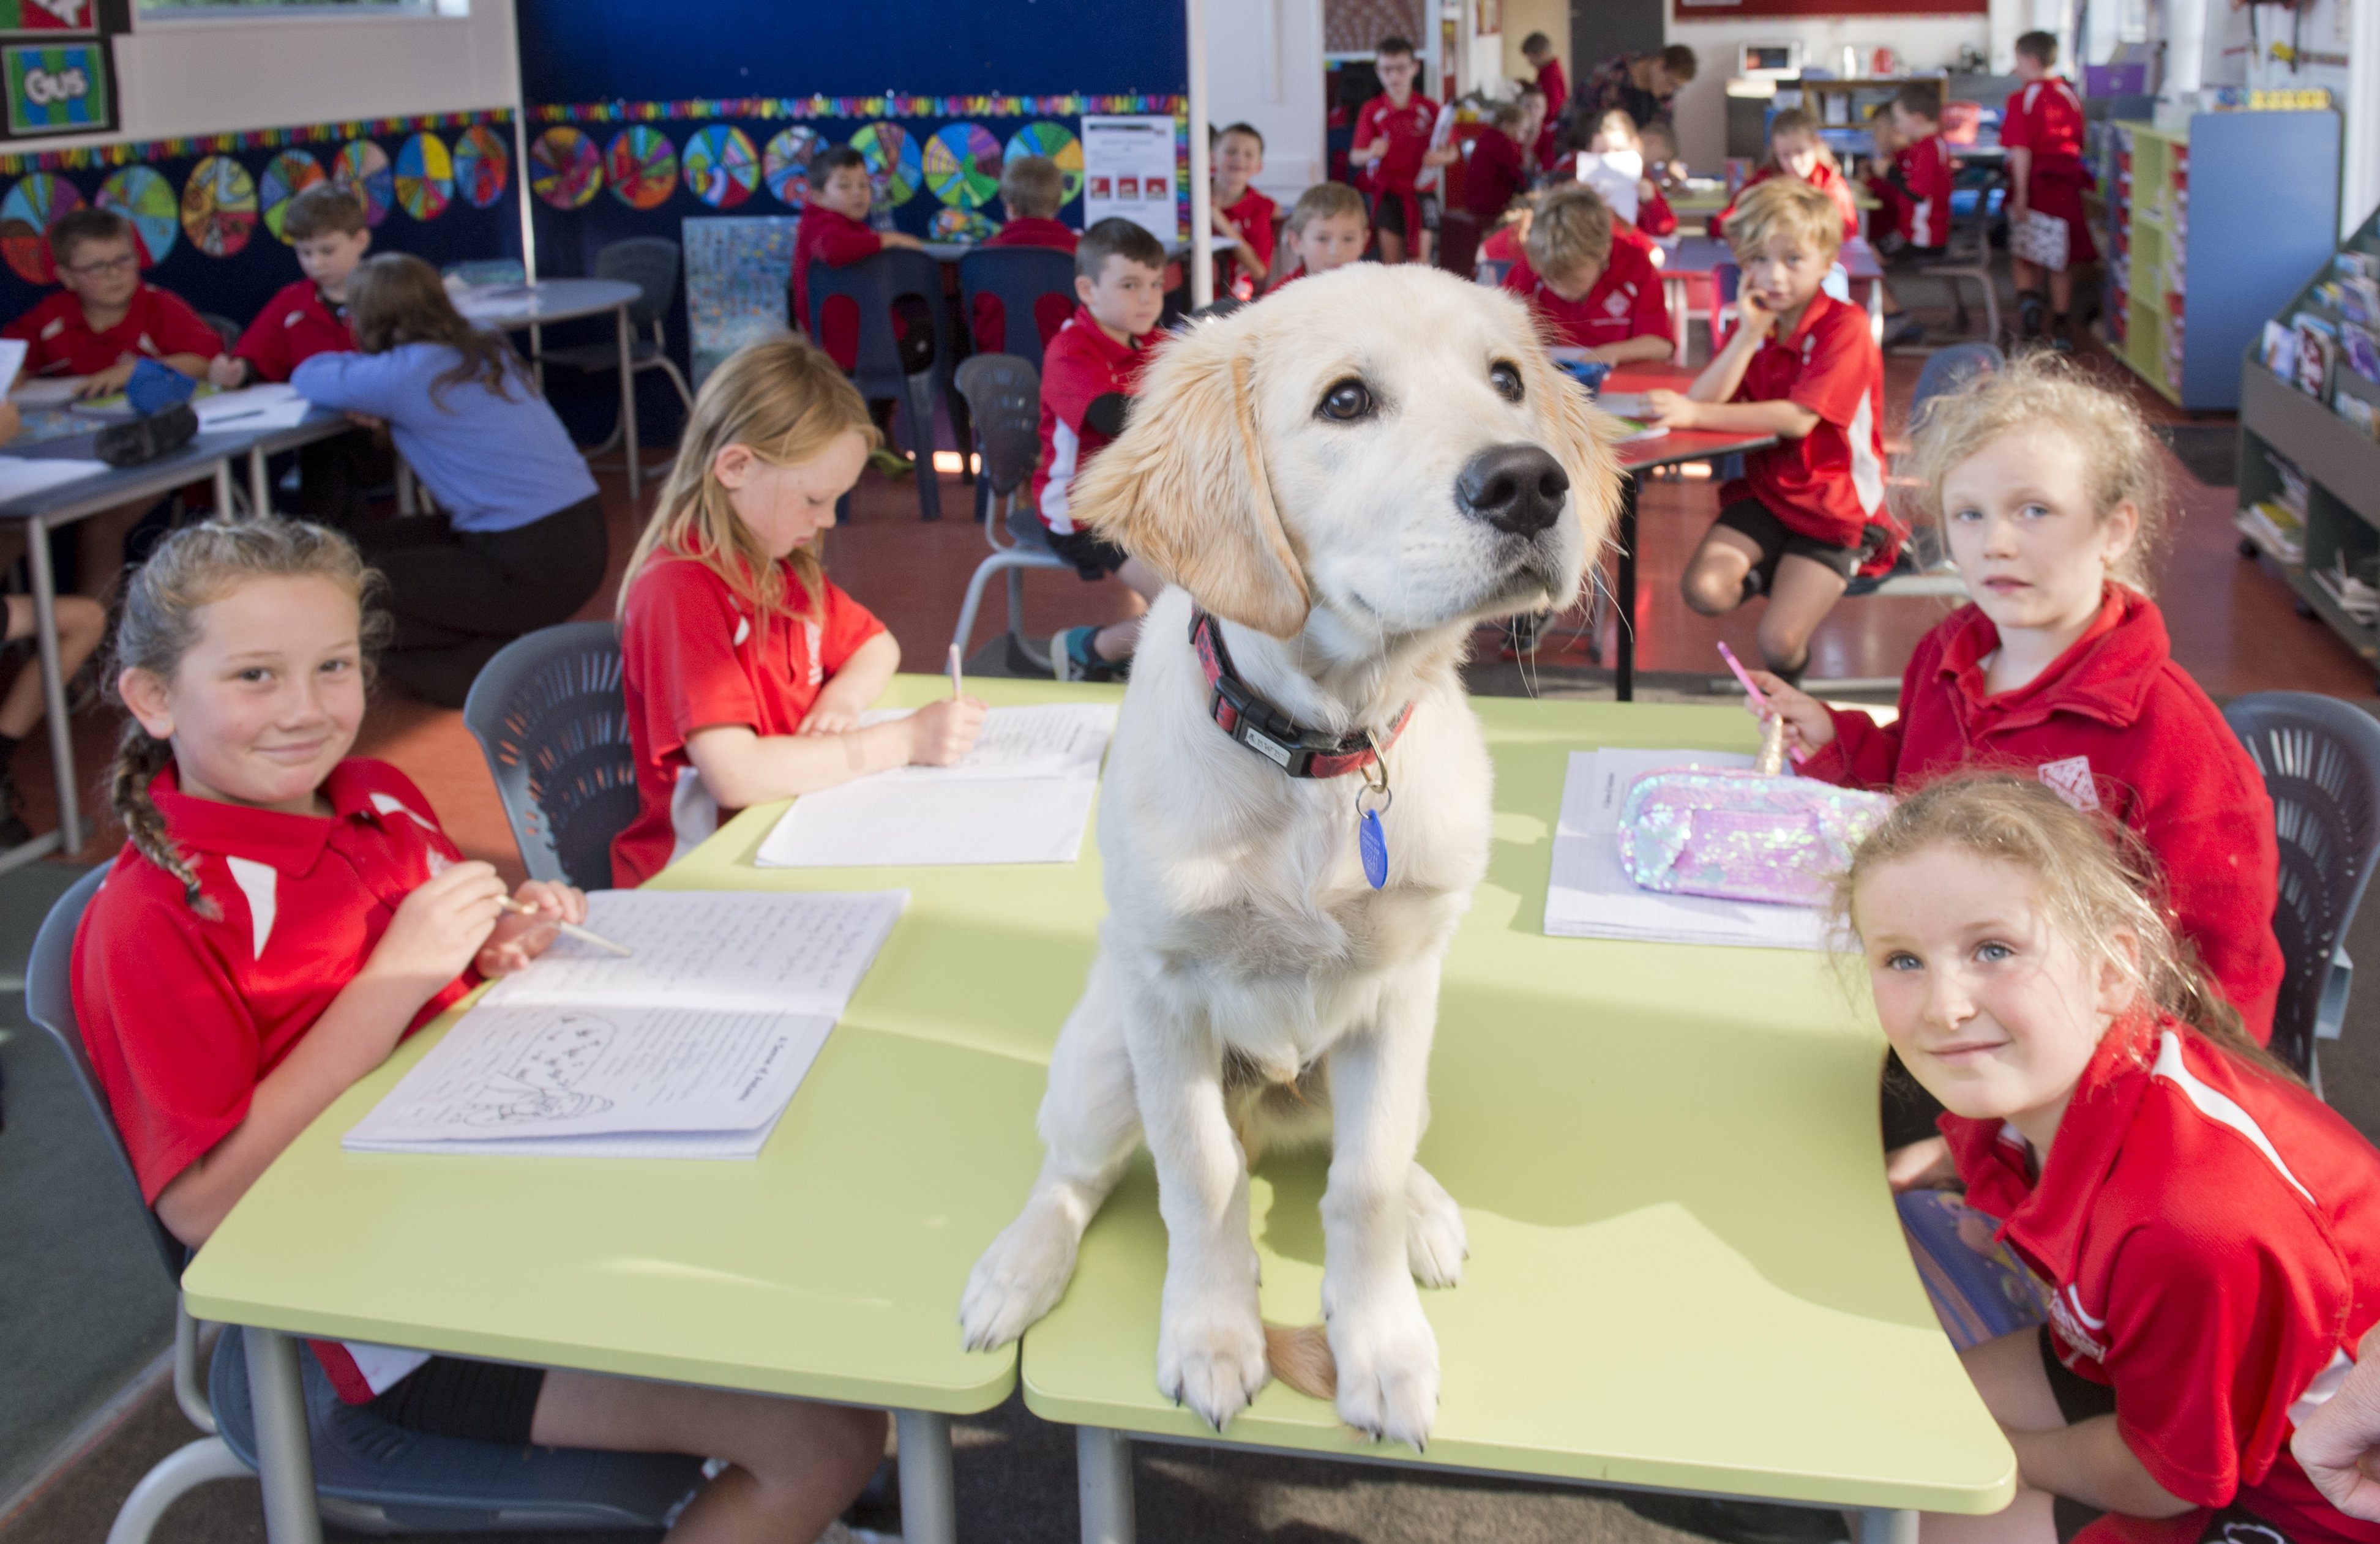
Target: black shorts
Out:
[454,1396]
[1093,556]
[1389,212]
[1751,517]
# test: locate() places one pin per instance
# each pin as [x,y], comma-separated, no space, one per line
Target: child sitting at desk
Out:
[1616,133]
[1590,280]
[834,230]
[1324,230]
[281,919]
[1796,151]
[1912,179]
[2202,1225]
[745,667]
[1242,213]
[1033,189]
[2042,131]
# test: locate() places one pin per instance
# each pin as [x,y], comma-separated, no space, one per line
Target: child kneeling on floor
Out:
[282,917]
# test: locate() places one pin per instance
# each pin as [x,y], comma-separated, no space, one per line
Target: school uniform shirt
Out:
[2046,117]
[695,655]
[1494,175]
[989,320]
[2209,1235]
[1828,485]
[1081,365]
[1556,86]
[494,461]
[1921,175]
[295,325]
[2113,724]
[834,238]
[1258,220]
[59,341]
[183,1014]
[1625,302]
[1408,129]
[1823,176]
[1654,215]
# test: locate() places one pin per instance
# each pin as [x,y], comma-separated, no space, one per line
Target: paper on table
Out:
[731,950]
[883,822]
[48,392]
[1057,740]
[1615,175]
[20,476]
[481,302]
[1589,894]
[274,404]
[12,359]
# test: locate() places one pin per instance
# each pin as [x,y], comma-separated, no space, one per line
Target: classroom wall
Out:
[1264,66]
[1924,42]
[1524,17]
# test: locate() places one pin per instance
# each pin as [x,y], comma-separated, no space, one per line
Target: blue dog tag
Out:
[1374,843]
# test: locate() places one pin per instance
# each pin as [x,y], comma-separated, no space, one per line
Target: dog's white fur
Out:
[1251,988]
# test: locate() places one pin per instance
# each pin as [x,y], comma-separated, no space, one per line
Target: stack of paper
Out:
[1590,895]
[689,1048]
[1022,795]
[274,404]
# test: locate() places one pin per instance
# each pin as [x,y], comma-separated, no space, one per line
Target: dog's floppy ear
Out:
[1184,489]
[1581,436]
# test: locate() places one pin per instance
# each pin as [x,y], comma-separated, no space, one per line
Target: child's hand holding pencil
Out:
[535,915]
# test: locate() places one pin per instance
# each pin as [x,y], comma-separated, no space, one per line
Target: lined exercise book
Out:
[689,1048]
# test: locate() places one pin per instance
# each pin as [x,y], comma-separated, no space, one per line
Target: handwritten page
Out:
[510,1074]
[728,951]
[1590,895]
[874,824]
[1060,740]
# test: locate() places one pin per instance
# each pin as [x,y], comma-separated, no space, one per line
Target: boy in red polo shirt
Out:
[1913,179]
[1242,213]
[1391,146]
[2042,131]
[1088,375]
[1801,365]
[1539,50]
[835,231]
[1033,189]
[106,318]
[1590,286]
[1324,230]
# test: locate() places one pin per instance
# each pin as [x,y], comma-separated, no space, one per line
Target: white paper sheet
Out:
[881,821]
[274,404]
[12,359]
[488,302]
[1059,740]
[727,950]
[20,475]
[1589,894]
[1615,175]
[46,391]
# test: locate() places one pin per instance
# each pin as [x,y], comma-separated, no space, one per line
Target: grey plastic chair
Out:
[368,1475]
[224,328]
[549,715]
[1003,395]
[650,263]
[2321,761]
[909,367]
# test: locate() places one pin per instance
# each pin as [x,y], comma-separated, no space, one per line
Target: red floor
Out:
[2234,628]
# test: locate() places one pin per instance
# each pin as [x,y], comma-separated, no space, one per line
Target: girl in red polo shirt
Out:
[1796,150]
[745,669]
[2203,1225]
[281,918]
[2049,490]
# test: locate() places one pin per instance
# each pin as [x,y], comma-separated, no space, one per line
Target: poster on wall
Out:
[1128,172]
[57,67]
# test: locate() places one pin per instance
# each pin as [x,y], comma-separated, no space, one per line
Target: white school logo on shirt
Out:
[2070,779]
[1616,303]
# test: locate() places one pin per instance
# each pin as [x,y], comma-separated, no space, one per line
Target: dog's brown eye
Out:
[1506,380]
[1347,402]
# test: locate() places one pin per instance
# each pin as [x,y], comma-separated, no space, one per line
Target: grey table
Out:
[513,307]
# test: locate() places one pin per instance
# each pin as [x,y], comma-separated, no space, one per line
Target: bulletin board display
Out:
[57,66]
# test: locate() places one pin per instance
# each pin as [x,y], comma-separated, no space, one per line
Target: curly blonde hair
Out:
[1573,227]
[1784,206]
[2044,392]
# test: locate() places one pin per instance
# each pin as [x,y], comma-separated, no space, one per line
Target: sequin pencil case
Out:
[1741,836]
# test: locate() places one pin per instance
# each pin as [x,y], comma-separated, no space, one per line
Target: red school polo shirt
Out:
[1829,484]
[2210,1235]
[60,342]
[2046,117]
[1258,220]
[295,325]
[834,238]
[1496,172]
[1625,302]
[1556,85]
[2116,726]
[1081,365]
[1923,178]
[694,655]
[1654,215]
[1822,176]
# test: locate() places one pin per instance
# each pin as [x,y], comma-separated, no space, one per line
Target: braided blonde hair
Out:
[193,568]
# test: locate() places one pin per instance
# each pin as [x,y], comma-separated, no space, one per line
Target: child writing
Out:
[1802,366]
[1392,147]
[2042,130]
[2202,1223]
[1034,189]
[1088,379]
[2049,494]
[1590,286]
[1241,212]
[1324,230]
[281,918]
[745,667]
[1796,151]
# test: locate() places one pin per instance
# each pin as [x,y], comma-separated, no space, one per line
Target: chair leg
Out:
[921,403]
[182,1471]
[964,635]
[684,392]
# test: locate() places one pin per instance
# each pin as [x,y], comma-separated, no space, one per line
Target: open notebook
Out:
[689,1048]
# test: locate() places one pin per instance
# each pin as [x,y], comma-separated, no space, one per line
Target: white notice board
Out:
[1128,172]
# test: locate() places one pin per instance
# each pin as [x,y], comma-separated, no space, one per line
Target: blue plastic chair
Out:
[910,369]
[550,717]
[2321,761]
[1021,278]
[368,1475]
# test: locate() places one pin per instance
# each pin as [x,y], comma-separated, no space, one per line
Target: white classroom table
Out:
[512,308]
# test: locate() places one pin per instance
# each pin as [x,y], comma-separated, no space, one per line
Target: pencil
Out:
[958,687]
[569,930]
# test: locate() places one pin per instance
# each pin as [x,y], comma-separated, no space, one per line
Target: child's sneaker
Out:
[1075,655]
[2032,314]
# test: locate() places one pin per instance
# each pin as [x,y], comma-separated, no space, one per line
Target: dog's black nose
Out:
[1513,488]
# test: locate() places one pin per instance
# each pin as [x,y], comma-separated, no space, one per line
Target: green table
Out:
[1685,1273]
[830,1268]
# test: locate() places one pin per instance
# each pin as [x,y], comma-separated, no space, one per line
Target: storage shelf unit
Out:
[2248,199]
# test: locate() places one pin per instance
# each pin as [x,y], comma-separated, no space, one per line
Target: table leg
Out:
[53,684]
[1103,1480]
[1676,285]
[537,356]
[929,1508]
[259,483]
[284,1454]
[222,488]
[1880,1524]
[1624,598]
[628,402]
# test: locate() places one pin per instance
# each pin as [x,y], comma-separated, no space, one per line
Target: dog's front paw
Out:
[1436,1244]
[1210,1353]
[1021,1277]
[1387,1363]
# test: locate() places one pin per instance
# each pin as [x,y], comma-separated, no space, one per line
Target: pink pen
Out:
[1759,698]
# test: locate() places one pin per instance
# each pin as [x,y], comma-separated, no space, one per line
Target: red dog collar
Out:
[1266,730]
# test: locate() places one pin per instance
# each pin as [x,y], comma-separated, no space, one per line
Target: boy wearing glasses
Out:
[107,319]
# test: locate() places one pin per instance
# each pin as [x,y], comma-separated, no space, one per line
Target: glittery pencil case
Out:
[1742,835]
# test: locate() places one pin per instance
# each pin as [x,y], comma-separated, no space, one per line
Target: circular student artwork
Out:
[960,225]
[1056,142]
[894,162]
[425,177]
[642,164]
[285,175]
[786,163]
[564,168]
[219,206]
[483,165]
[963,166]
[26,216]
[363,168]
[721,165]
[143,196]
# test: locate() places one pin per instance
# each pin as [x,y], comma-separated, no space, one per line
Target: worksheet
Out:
[272,405]
[1059,740]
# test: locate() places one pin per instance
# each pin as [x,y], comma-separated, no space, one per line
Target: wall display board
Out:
[737,274]
[57,67]
[1128,172]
